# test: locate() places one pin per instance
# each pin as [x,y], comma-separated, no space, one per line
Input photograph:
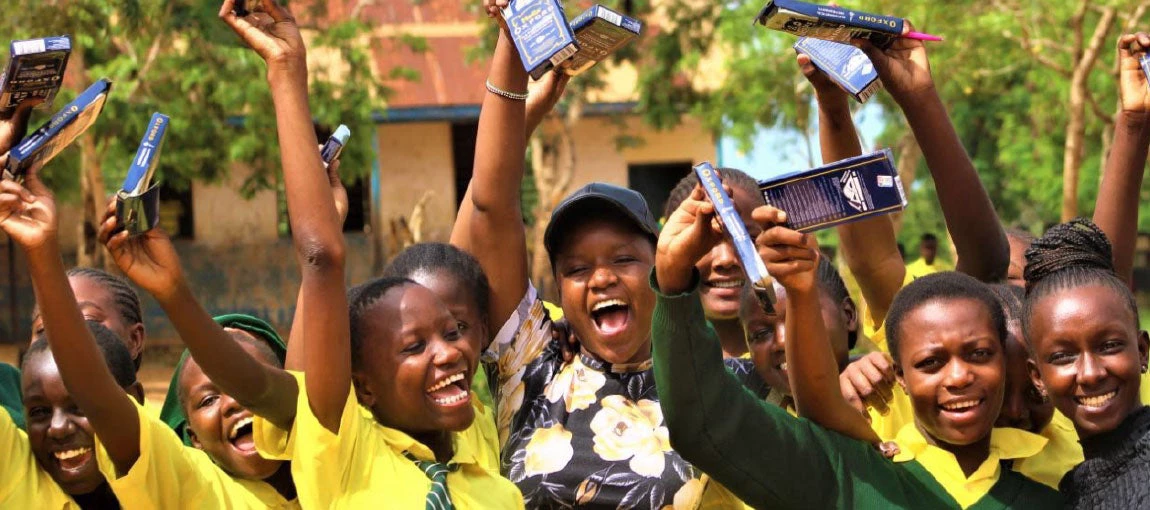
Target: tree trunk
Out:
[1076,127]
[909,154]
[92,194]
[553,162]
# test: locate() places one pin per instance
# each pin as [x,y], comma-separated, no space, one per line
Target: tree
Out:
[176,57]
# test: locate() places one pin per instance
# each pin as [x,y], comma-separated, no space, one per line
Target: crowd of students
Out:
[1012,382]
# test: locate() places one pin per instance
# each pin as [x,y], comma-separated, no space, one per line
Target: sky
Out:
[777,151]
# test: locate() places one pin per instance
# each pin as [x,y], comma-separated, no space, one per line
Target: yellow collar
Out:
[401,442]
[1005,443]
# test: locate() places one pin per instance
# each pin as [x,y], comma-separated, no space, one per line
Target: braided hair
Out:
[124,297]
[1070,255]
[730,176]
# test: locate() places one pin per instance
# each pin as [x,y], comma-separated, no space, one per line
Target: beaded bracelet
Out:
[503,93]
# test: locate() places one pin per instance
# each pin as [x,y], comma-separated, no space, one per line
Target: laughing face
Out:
[1089,354]
[221,427]
[59,434]
[417,366]
[952,365]
[721,276]
[602,270]
[98,304]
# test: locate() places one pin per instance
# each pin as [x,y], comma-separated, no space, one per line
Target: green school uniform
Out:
[770,459]
[11,397]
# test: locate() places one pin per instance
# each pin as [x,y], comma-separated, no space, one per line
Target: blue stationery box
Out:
[35,71]
[599,32]
[138,201]
[541,34]
[61,130]
[844,64]
[829,22]
[841,192]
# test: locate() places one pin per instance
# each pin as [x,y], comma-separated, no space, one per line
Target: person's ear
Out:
[192,437]
[850,314]
[135,341]
[363,393]
[136,391]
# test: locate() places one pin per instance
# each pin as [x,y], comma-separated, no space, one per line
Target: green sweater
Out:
[770,459]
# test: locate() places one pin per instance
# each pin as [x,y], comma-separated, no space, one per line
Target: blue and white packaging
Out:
[756,271]
[334,145]
[541,34]
[830,22]
[599,32]
[841,192]
[138,201]
[35,71]
[1145,61]
[844,64]
[61,130]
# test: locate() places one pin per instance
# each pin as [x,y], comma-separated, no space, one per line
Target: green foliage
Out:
[1009,108]
[178,58]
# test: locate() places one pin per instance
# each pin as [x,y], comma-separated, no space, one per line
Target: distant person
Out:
[927,262]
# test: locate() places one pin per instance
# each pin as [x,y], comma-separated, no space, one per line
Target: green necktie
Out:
[438,497]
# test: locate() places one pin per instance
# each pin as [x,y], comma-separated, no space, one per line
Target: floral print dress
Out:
[584,433]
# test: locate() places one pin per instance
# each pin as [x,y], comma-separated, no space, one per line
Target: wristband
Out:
[503,93]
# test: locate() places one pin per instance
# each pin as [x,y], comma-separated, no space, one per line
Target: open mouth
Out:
[241,435]
[962,409]
[450,391]
[1096,400]
[73,459]
[611,317]
[726,284]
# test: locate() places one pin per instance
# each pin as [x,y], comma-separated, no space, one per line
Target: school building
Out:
[233,248]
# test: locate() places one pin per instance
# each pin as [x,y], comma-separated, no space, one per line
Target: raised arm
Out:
[541,99]
[316,229]
[869,246]
[711,418]
[792,260]
[28,216]
[979,239]
[498,239]
[1116,210]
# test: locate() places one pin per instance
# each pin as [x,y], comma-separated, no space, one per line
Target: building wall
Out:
[224,217]
[414,159]
[598,159]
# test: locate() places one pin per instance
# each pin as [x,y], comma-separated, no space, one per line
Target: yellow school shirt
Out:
[899,413]
[22,483]
[1061,454]
[1005,444]
[363,466]
[170,475]
[920,268]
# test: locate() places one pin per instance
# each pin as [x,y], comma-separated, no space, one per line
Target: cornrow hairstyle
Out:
[115,353]
[947,285]
[360,300]
[831,283]
[731,177]
[1070,255]
[436,257]
[1011,297]
[123,295]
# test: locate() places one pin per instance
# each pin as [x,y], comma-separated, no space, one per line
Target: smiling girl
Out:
[1089,355]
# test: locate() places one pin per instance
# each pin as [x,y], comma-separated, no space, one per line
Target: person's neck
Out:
[101,498]
[969,456]
[641,355]
[283,482]
[439,442]
[731,337]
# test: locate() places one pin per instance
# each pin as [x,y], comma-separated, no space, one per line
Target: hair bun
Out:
[1078,243]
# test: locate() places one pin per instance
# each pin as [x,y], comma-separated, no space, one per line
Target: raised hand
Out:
[690,232]
[791,257]
[903,67]
[148,259]
[829,95]
[542,96]
[1132,83]
[494,9]
[14,126]
[28,213]
[869,382]
[338,192]
[271,30]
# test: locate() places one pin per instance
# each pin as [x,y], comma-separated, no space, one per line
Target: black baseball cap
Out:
[603,197]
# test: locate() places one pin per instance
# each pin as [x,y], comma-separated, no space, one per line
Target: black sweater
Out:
[1116,472]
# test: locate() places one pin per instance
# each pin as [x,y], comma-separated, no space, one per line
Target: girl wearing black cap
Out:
[589,431]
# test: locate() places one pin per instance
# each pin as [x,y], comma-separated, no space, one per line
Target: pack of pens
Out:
[749,258]
[61,130]
[829,22]
[35,71]
[841,192]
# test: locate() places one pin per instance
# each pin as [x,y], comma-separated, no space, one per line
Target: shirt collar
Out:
[401,442]
[1005,444]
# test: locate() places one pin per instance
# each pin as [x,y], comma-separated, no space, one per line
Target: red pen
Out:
[919,36]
